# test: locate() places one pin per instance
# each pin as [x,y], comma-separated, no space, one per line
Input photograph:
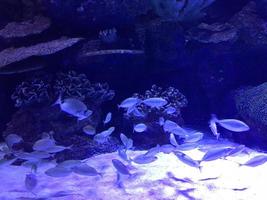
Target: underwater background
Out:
[107,80]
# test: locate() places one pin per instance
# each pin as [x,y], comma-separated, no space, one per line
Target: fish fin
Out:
[214,118]
[58,101]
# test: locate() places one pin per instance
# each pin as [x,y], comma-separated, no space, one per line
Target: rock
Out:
[26,28]
[252,107]
[14,55]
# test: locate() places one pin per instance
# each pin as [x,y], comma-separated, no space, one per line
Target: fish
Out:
[232,124]
[139,128]
[161,121]
[155,102]
[57,148]
[137,113]
[120,167]
[69,164]
[89,130]
[30,182]
[127,142]
[85,170]
[58,172]
[173,140]
[208,179]
[153,151]
[193,137]
[74,107]
[169,126]
[12,139]
[43,144]
[170,110]
[144,159]
[101,137]
[237,150]
[167,148]
[33,156]
[5,162]
[215,154]
[108,118]
[129,102]
[184,180]
[213,126]
[123,155]
[187,160]
[255,161]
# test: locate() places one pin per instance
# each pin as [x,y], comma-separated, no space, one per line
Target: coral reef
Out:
[70,84]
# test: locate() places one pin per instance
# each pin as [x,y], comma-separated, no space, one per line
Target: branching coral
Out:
[68,85]
[184,10]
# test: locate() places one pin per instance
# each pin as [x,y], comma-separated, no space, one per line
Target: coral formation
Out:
[67,85]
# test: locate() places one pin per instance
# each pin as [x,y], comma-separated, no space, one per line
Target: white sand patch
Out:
[148,182]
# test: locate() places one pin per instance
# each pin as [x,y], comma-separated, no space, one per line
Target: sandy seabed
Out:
[223,180]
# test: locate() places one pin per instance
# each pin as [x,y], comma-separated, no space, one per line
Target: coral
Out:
[181,10]
[30,92]
[69,84]
[76,85]
[174,97]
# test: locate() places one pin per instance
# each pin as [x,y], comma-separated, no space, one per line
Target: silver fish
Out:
[170,110]
[123,155]
[139,128]
[167,148]
[85,170]
[184,180]
[194,137]
[232,124]
[237,150]
[101,137]
[129,102]
[12,139]
[215,154]
[143,159]
[108,118]
[169,126]
[187,160]
[213,126]
[30,182]
[56,149]
[256,161]
[155,102]
[120,167]
[173,140]
[127,142]
[43,144]
[33,156]
[74,107]
[89,130]
[153,151]
[58,172]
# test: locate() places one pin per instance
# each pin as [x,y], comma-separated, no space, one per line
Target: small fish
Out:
[161,121]
[173,140]
[123,155]
[129,102]
[30,182]
[137,113]
[167,148]
[155,102]
[43,144]
[255,161]
[58,172]
[69,164]
[169,126]
[153,151]
[56,149]
[194,137]
[143,159]
[108,118]
[74,107]
[232,124]
[240,189]
[33,156]
[236,151]
[139,128]
[12,139]
[215,154]
[120,167]
[187,160]
[127,142]
[101,137]
[208,179]
[170,110]
[213,126]
[184,180]
[85,170]
[89,130]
